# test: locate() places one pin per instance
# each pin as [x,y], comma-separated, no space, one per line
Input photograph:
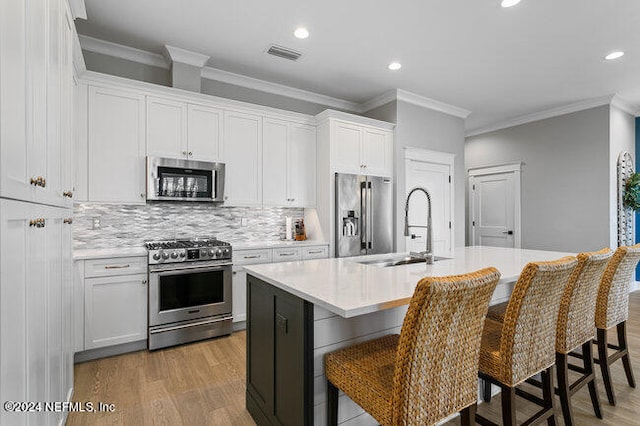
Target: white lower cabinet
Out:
[113,295]
[115,310]
[35,320]
[265,255]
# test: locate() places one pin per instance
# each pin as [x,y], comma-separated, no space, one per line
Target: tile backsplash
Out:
[131,226]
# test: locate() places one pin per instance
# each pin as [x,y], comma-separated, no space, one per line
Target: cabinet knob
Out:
[68,194]
[190,154]
[144,282]
[33,181]
[184,152]
[142,195]
[38,223]
[68,221]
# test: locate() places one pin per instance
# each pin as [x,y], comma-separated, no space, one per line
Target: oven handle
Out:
[174,268]
[191,324]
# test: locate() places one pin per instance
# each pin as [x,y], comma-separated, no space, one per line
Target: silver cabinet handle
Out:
[287,254]
[144,282]
[508,232]
[315,251]
[252,257]
[116,266]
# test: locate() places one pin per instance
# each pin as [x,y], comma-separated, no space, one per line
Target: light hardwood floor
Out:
[203,384]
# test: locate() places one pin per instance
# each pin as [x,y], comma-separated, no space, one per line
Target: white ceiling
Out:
[498,63]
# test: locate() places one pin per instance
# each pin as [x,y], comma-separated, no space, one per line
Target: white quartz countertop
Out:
[106,253]
[275,244]
[349,288]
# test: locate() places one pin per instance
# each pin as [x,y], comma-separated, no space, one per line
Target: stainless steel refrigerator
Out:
[364,215]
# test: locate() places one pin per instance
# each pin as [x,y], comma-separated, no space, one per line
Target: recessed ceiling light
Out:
[509,3]
[614,55]
[394,66]
[301,32]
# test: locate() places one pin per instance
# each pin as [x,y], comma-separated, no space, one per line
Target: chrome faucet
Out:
[427,255]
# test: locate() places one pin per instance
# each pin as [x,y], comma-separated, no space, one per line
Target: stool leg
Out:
[468,415]
[563,388]
[626,362]
[332,404]
[508,397]
[486,390]
[604,365]
[548,394]
[587,352]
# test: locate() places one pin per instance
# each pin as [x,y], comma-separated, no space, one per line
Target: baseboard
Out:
[108,351]
[239,326]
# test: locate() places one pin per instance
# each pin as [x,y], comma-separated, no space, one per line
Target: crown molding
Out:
[543,115]
[96,45]
[625,106]
[176,54]
[423,101]
[359,119]
[78,9]
[378,101]
[277,89]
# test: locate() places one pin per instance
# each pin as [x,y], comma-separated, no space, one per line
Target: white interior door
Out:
[435,177]
[495,208]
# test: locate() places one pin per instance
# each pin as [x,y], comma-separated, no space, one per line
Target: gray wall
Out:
[127,69]
[565,179]
[419,127]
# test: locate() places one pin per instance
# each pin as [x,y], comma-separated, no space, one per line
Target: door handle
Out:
[414,236]
[508,232]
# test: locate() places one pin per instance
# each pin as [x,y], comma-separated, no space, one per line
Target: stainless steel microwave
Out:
[172,179]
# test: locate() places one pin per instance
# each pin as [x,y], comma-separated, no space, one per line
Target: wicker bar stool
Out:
[429,371]
[574,329]
[612,310]
[524,344]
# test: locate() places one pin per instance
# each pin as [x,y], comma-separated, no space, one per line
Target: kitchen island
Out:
[298,311]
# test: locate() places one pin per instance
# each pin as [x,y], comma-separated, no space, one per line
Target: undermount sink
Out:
[398,261]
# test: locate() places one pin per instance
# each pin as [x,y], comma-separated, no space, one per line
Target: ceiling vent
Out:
[284,52]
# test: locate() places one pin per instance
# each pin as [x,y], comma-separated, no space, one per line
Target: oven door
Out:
[186,292]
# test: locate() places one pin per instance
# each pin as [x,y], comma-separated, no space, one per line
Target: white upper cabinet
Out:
[182,130]
[204,133]
[302,165]
[166,128]
[243,158]
[116,135]
[288,164]
[361,149]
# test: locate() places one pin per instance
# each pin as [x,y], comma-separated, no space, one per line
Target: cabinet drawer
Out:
[318,252]
[251,257]
[115,266]
[286,254]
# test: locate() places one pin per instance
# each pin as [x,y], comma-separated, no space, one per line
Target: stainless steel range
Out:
[189,291]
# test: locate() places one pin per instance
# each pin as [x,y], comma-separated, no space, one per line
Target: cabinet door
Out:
[68,312]
[275,135]
[67,86]
[54,310]
[166,128]
[116,166]
[243,157]
[302,166]
[239,291]
[115,310]
[377,152]
[345,147]
[204,134]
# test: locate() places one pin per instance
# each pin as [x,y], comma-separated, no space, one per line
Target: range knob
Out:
[174,255]
[226,252]
[165,255]
[182,254]
[218,253]
[156,256]
[203,253]
[211,252]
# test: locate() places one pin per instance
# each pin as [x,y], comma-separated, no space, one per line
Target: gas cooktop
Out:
[193,250]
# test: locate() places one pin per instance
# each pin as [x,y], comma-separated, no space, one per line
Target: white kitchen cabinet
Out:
[204,133]
[239,294]
[33,106]
[360,149]
[34,362]
[243,158]
[166,128]
[288,164]
[116,146]
[115,310]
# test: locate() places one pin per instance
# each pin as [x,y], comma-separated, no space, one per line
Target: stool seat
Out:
[365,371]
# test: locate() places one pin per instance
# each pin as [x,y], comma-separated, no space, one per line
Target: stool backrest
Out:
[578,303]
[612,306]
[528,338]
[436,370]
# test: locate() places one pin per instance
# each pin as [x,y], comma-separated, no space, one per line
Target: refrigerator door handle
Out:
[369,216]
[364,215]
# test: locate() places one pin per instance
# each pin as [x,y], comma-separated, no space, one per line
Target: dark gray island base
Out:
[279,356]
